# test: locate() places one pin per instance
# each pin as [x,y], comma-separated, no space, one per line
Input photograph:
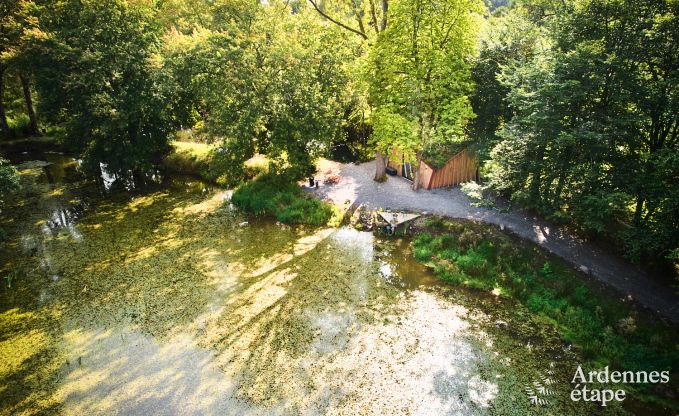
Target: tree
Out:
[17,23]
[99,78]
[275,86]
[594,128]
[420,74]
[367,20]
[509,38]
[363,18]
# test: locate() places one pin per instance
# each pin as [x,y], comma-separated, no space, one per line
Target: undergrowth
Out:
[280,197]
[606,330]
[212,163]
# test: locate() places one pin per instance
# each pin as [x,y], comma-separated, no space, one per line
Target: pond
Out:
[156,296]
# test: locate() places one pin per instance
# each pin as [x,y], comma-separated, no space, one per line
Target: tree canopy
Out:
[420,74]
[593,133]
[570,106]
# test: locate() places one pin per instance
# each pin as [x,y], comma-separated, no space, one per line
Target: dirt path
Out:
[356,185]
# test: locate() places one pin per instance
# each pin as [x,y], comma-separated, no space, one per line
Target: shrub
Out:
[434,222]
[280,197]
[306,211]
[472,263]
[423,238]
[19,126]
[422,254]
[478,194]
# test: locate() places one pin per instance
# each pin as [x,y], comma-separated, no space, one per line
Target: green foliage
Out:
[9,180]
[213,163]
[606,331]
[96,76]
[478,194]
[276,86]
[306,211]
[436,154]
[509,38]
[280,197]
[422,254]
[419,74]
[586,124]
[19,126]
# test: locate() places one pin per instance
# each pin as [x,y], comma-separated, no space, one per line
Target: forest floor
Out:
[356,186]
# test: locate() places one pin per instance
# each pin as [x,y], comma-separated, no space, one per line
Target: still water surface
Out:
[153,296]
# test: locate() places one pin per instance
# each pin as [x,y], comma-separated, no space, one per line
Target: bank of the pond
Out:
[210,163]
[606,330]
[158,298]
[31,144]
[257,192]
[281,198]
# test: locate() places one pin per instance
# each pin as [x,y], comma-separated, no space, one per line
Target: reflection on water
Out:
[156,298]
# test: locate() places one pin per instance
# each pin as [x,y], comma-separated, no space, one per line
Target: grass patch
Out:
[212,164]
[606,330]
[280,197]
[188,158]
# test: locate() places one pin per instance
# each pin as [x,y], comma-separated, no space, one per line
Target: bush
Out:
[472,263]
[19,126]
[306,211]
[280,197]
[604,329]
[422,254]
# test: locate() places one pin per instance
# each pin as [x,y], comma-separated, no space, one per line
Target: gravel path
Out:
[357,186]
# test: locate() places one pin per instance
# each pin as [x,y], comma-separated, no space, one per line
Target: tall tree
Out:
[367,19]
[421,74]
[595,127]
[508,38]
[275,86]
[99,78]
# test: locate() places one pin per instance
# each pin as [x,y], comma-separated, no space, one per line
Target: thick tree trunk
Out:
[380,167]
[3,117]
[416,179]
[25,85]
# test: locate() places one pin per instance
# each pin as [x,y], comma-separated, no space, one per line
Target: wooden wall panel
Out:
[458,169]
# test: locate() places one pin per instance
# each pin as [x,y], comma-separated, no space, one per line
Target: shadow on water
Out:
[168,301]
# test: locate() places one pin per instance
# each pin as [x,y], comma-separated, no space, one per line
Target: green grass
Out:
[604,329]
[189,158]
[280,197]
[207,162]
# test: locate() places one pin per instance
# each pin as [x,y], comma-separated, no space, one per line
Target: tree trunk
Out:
[385,10]
[638,210]
[380,167]
[3,117]
[25,85]
[416,179]
[536,176]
